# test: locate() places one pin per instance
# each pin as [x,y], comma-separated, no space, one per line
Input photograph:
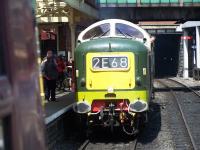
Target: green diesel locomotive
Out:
[113,65]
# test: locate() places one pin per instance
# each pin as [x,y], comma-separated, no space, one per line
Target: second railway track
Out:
[186,102]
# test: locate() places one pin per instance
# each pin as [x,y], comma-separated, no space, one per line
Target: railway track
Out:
[88,145]
[194,144]
[84,145]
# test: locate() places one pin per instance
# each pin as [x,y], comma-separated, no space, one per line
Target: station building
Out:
[189,55]
[59,23]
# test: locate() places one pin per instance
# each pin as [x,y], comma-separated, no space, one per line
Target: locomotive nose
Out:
[81,107]
[138,106]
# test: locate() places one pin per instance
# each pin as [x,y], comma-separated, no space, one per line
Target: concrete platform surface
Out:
[64,103]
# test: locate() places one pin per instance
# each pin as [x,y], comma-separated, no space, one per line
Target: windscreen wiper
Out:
[102,34]
[125,34]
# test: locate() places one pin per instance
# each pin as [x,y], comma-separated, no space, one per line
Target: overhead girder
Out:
[150,13]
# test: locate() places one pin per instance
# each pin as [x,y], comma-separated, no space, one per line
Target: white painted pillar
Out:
[185,49]
[198,46]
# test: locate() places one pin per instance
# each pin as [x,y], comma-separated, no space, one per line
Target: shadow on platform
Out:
[55,109]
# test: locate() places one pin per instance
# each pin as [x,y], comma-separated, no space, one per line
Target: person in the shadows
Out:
[61,71]
[50,73]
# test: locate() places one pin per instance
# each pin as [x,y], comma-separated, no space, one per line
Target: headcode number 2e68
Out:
[109,62]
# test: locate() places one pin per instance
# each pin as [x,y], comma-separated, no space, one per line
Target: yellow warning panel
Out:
[110,70]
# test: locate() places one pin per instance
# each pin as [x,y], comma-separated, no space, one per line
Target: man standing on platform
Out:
[50,73]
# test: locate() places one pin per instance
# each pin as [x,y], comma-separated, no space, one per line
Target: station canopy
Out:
[62,10]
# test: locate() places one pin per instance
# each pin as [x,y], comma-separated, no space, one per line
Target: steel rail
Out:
[84,145]
[197,93]
[182,114]
[135,144]
[132,144]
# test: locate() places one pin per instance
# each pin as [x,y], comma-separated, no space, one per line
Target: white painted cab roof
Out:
[113,29]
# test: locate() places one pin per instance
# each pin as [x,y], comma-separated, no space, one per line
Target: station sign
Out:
[186,37]
[46,35]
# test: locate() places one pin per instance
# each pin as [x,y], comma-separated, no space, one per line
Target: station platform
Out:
[55,109]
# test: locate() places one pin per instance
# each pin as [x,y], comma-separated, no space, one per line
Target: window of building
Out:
[117,1]
[151,31]
[170,30]
[161,31]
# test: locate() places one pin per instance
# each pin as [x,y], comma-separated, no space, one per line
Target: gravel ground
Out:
[157,135]
[190,104]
